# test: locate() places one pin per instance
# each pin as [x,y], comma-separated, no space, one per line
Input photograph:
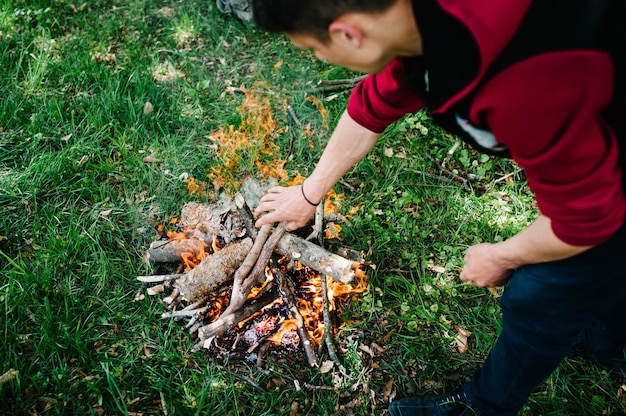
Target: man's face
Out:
[369,58]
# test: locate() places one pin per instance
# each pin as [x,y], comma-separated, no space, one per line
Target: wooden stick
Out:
[350,81]
[327,336]
[245,281]
[158,278]
[286,287]
[246,215]
[184,313]
[317,258]
[169,251]
[258,271]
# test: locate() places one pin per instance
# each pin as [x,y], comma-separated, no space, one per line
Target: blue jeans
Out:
[546,308]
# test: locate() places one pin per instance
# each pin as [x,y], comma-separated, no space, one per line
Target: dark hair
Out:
[311,17]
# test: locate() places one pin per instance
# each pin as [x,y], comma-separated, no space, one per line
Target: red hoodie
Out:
[531,80]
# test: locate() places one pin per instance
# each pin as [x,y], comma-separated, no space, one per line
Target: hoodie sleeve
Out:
[383,98]
[548,111]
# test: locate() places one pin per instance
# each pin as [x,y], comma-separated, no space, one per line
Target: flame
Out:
[193,245]
[288,330]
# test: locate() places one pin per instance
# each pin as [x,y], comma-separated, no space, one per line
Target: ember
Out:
[241,290]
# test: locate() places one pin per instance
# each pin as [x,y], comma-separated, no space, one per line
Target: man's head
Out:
[310,17]
[363,35]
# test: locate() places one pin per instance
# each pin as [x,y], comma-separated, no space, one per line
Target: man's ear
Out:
[346,31]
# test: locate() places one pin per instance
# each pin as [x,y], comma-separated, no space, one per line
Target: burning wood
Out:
[226,290]
[213,271]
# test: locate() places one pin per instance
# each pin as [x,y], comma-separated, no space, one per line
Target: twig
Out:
[505,177]
[241,285]
[232,90]
[335,85]
[459,178]
[432,176]
[244,283]
[293,115]
[184,313]
[266,252]
[319,223]
[158,278]
[287,290]
[246,215]
[326,336]
[344,81]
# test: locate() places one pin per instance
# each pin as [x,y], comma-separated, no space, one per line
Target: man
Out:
[541,82]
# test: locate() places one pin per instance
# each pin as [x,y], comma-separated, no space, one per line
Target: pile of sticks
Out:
[239,267]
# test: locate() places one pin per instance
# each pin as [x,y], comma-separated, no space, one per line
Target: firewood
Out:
[247,218]
[244,282]
[169,251]
[317,258]
[296,248]
[213,271]
[215,218]
[287,290]
[158,278]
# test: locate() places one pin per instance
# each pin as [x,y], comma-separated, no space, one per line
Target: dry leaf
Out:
[367,350]
[621,393]
[66,138]
[148,108]
[106,213]
[436,269]
[150,159]
[388,152]
[326,366]
[461,339]
[8,376]
[388,389]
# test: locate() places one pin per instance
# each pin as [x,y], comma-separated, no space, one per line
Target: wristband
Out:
[305,198]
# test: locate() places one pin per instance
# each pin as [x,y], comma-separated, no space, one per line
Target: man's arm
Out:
[490,265]
[349,143]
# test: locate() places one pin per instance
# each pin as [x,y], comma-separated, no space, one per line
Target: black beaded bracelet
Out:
[305,198]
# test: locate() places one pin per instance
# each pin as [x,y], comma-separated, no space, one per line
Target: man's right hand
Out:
[284,204]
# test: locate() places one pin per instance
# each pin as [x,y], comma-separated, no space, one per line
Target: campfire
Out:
[251,292]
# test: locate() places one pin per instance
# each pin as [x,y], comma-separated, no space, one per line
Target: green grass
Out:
[79,205]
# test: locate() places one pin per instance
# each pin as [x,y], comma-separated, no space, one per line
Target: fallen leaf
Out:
[148,108]
[461,339]
[8,376]
[388,152]
[387,391]
[106,213]
[367,350]
[621,393]
[150,159]
[66,138]
[326,366]
[436,269]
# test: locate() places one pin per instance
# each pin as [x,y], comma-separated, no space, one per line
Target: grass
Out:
[87,170]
